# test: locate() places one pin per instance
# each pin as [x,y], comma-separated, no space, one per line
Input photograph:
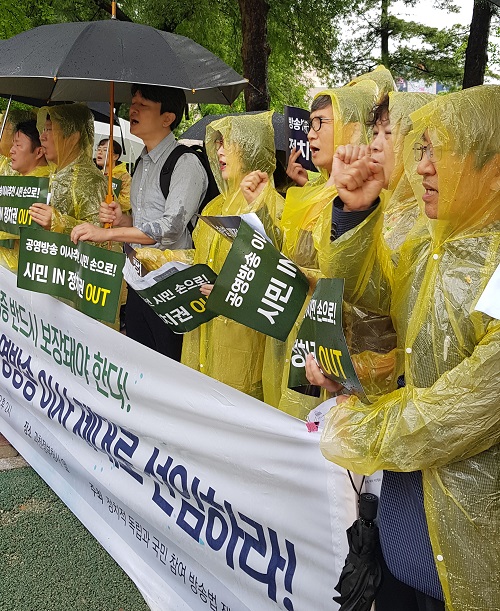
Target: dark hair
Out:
[117,149]
[171,100]
[380,112]
[322,101]
[29,129]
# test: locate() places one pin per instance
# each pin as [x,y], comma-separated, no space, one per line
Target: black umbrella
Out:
[99,60]
[361,576]
[77,61]
[197,130]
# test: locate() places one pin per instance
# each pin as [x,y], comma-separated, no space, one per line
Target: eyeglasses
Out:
[316,122]
[433,153]
[219,143]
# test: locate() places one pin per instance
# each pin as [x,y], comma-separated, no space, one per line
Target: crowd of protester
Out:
[405,207]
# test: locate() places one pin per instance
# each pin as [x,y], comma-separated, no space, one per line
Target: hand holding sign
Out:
[317,378]
[295,170]
[42,214]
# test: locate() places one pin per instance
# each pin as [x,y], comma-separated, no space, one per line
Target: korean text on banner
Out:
[201,493]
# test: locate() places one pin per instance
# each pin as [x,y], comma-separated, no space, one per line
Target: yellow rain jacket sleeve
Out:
[446,421]
[77,186]
[306,208]
[222,348]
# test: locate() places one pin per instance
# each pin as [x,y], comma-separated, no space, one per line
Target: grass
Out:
[48,559]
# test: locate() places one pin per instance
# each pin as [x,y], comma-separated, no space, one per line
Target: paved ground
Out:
[48,560]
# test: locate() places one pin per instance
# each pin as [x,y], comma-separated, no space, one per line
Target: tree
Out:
[273,43]
[409,49]
[476,55]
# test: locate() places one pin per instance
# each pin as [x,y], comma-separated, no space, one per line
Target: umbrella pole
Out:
[109,196]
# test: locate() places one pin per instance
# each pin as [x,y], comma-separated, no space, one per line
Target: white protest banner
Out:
[207,498]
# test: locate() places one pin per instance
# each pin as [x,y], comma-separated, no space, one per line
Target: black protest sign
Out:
[173,292]
[296,128]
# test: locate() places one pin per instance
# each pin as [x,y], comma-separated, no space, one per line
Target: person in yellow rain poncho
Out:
[338,116]
[438,437]
[77,186]
[371,336]
[242,157]
[28,159]
[119,171]
[14,117]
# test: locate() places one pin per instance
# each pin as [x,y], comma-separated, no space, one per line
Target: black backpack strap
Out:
[169,165]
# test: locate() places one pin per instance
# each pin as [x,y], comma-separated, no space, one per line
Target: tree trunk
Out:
[255,52]
[384,33]
[476,55]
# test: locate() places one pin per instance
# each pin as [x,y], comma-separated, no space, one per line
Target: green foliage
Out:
[416,51]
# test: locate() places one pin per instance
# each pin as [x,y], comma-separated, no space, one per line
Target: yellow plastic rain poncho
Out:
[9,249]
[304,207]
[446,421]
[120,171]
[370,335]
[222,348]
[77,187]
[382,76]
[401,206]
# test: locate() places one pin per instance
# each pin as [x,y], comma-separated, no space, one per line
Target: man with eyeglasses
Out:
[437,438]
[338,116]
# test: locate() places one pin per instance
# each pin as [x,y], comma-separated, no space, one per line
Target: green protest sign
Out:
[17,194]
[321,334]
[173,291]
[87,276]
[258,286]
[117,186]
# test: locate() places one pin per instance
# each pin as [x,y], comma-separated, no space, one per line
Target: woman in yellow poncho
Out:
[438,438]
[343,113]
[77,187]
[222,348]
[241,152]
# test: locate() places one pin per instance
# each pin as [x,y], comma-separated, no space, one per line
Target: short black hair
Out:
[322,101]
[380,112]
[171,99]
[117,148]
[29,129]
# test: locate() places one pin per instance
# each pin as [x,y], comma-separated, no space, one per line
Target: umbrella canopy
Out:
[77,61]
[362,575]
[197,130]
